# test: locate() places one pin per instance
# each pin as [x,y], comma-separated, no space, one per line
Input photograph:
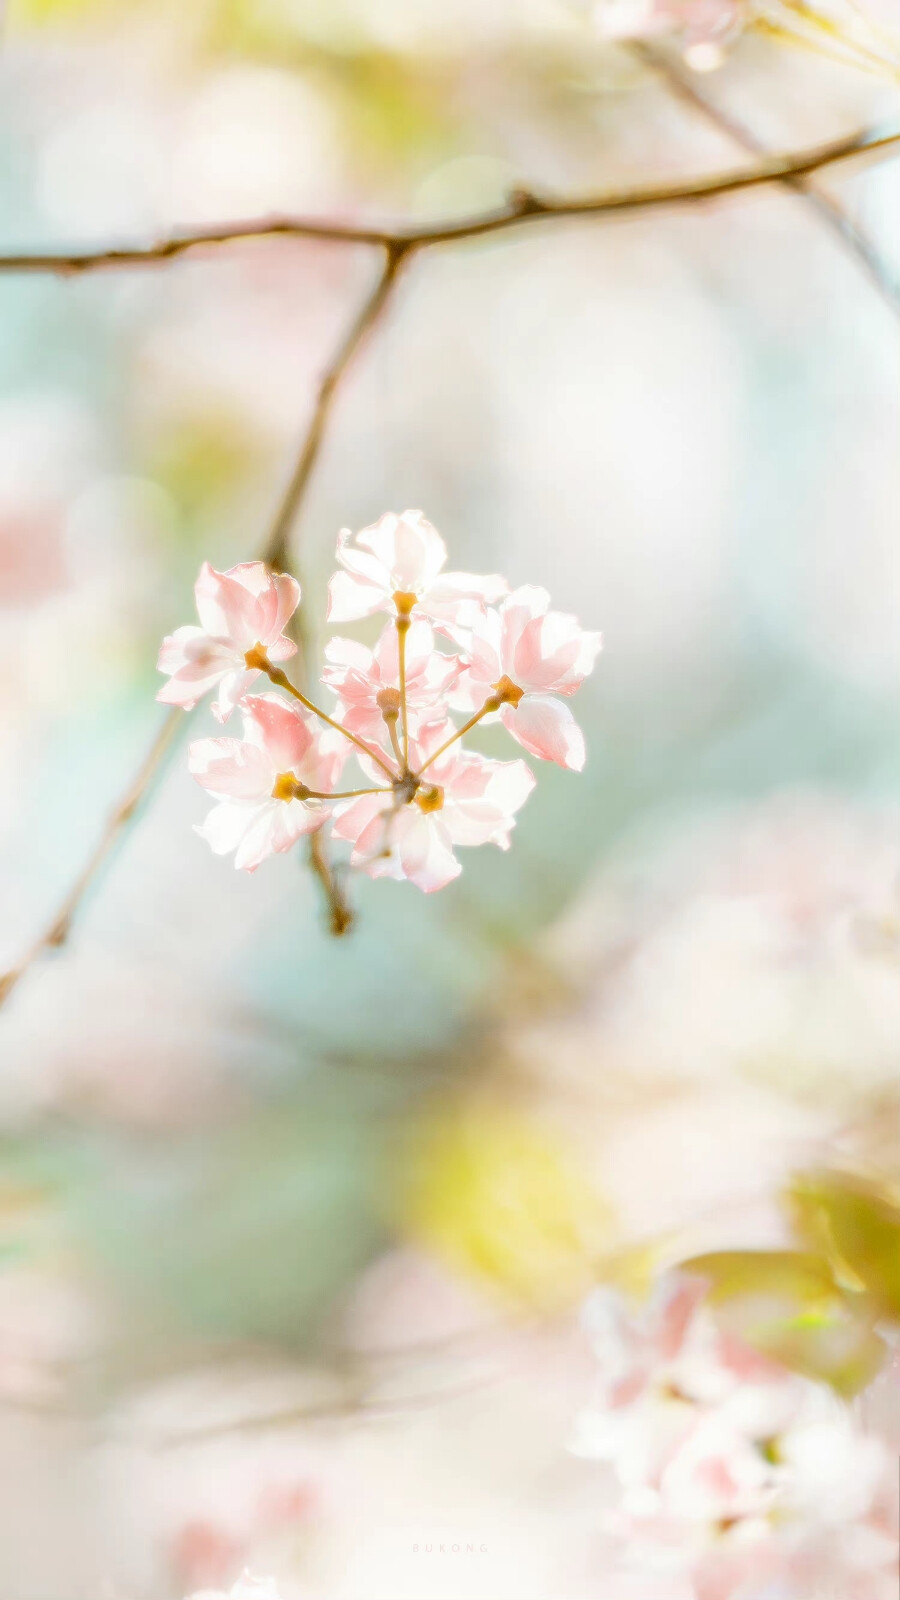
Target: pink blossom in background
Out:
[246,606]
[248,1587]
[543,654]
[752,1480]
[404,555]
[696,21]
[465,799]
[208,1549]
[358,675]
[257,814]
[703,29]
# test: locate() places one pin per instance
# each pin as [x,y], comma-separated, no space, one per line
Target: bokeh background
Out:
[294,1230]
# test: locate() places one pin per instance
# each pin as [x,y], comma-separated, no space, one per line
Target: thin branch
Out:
[336,1410]
[58,930]
[522,207]
[683,84]
[273,550]
[340,913]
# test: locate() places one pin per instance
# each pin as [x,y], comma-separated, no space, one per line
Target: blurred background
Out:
[295,1229]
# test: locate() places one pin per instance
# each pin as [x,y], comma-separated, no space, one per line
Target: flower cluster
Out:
[757,1481]
[455,642]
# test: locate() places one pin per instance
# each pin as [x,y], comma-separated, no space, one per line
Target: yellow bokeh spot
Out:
[499,1196]
[45,13]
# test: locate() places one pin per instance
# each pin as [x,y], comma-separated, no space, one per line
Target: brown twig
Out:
[683,84]
[274,550]
[340,913]
[522,207]
[57,932]
[356,1404]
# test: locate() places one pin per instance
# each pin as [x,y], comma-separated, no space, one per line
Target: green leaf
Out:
[856,1226]
[787,1305]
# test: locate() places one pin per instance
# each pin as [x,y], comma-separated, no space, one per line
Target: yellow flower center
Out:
[430,798]
[288,787]
[508,693]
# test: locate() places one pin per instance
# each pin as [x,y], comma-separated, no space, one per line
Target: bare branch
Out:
[341,915]
[523,207]
[275,551]
[58,930]
[683,83]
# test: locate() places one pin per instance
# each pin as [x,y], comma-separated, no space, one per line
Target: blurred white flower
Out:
[248,1587]
[733,1470]
[736,945]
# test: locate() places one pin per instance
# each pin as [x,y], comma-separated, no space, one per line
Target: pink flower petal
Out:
[225,826]
[184,693]
[367,823]
[408,547]
[546,728]
[350,598]
[226,608]
[425,850]
[231,767]
[280,729]
[348,653]
[232,689]
[281,649]
[482,797]
[287,596]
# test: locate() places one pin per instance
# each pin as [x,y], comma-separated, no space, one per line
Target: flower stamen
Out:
[508,693]
[288,787]
[430,799]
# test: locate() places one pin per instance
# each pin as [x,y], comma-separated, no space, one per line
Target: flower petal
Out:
[425,850]
[226,607]
[546,728]
[225,826]
[365,822]
[232,689]
[287,598]
[231,768]
[280,729]
[281,649]
[408,547]
[350,598]
[481,801]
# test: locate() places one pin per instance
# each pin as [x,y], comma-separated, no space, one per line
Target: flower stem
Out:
[492,703]
[340,913]
[402,631]
[261,660]
[391,725]
[345,794]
